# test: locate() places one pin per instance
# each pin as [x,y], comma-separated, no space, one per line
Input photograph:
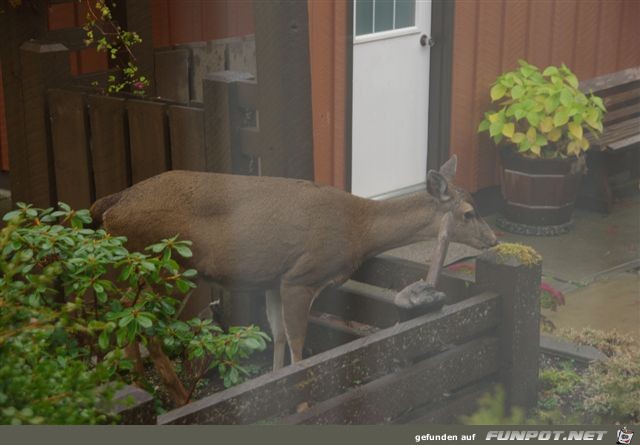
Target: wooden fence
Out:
[69,144]
[101,145]
[90,145]
[372,362]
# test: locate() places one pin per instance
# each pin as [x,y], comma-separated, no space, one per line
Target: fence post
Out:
[44,65]
[518,283]
[284,93]
[18,25]
[221,120]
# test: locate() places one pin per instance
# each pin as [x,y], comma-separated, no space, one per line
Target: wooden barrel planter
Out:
[540,194]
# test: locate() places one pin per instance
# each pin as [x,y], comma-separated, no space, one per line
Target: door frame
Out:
[439,120]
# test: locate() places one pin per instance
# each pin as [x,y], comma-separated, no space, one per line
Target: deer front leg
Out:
[296,303]
[274,315]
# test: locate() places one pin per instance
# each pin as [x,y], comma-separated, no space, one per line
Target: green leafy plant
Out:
[101,28]
[542,114]
[491,411]
[558,389]
[75,305]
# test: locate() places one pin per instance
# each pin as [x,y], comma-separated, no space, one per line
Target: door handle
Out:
[426,40]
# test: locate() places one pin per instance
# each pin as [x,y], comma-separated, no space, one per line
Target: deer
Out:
[290,237]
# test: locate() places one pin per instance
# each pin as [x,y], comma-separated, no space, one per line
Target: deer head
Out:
[468,226]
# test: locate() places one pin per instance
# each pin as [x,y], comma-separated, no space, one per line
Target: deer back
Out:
[246,231]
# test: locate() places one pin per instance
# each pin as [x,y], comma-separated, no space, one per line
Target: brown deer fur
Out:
[292,237]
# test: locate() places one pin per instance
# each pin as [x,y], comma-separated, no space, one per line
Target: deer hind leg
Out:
[295,316]
[274,315]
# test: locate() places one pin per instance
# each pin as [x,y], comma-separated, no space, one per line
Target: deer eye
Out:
[469,215]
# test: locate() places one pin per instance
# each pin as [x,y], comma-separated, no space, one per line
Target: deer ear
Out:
[438,186]
[448,169]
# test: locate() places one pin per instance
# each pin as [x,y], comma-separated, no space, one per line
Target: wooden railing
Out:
[371,362]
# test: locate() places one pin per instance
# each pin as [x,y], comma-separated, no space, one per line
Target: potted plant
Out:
[541,123]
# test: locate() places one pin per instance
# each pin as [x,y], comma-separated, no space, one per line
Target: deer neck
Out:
[400,221]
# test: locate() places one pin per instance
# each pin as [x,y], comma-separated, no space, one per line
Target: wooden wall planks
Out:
[109,144]
[181,21]
[70,142]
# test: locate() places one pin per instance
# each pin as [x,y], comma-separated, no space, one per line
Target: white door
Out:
[390,95]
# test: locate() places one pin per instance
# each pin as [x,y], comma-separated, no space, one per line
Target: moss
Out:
[524,254]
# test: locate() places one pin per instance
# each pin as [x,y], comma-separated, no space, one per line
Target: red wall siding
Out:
[592,37]
[180,21]
[328,40]
[65,15]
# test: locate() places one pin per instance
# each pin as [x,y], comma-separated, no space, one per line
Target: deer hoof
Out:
[302,407]
[420,294]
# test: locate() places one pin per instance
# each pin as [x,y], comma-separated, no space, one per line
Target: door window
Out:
[383,15]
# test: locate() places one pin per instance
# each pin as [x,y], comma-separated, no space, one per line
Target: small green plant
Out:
[74,306]
[542,114]
[101,28]
[562,380]
[559,395]
[491,411]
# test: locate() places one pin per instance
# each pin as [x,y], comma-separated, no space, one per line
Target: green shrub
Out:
[606,392]
[612,389]
[75,304]
[543,114]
